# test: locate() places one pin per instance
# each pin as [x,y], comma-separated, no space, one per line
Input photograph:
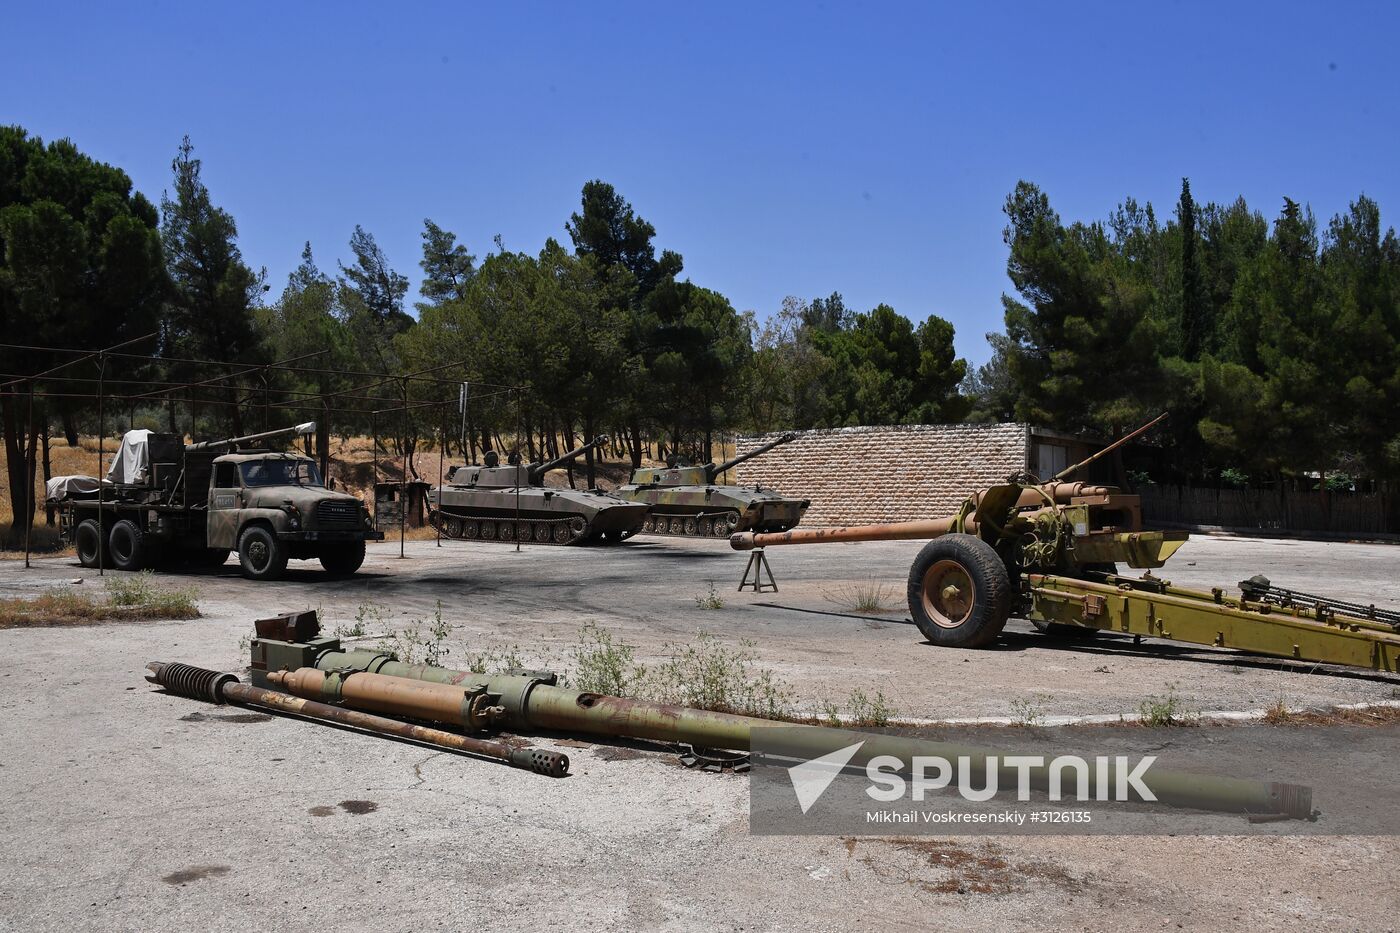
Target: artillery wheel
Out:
[691,526]
[88,539]
[1075,632]
[126,546]
[959,592]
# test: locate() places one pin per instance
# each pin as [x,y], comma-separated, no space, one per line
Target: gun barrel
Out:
[308,427]
[894,531]
[538,470]
[719,469]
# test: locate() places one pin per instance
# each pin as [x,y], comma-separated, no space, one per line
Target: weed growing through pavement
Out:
[867,598]
[1166,710]
[710,600]
[413,645]
[860,711]
[1028,710]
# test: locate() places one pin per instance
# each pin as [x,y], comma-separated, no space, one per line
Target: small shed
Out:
[389,507]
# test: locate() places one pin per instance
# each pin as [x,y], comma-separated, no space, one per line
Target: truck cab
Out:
[271,507]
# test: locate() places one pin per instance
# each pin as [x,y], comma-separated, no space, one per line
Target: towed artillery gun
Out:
[684,500]
[165,499]
[1049,552]
[509,503]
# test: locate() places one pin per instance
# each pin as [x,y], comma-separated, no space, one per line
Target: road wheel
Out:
[959,592]
[469,528]
[261,554]
[87,538]
[343,559]
[126,546]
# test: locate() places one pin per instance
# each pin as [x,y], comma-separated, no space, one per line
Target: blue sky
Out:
[783,149]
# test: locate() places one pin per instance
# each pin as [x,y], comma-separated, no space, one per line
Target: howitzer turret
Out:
[684,500]
[715,470]
[536,471]
[511,503]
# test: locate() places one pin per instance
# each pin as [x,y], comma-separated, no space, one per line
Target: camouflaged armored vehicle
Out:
[684,500]
[166,502]
[506,503]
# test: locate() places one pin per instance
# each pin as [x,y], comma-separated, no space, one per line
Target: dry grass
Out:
[125,598]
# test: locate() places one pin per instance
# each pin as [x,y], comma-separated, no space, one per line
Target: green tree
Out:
[447,265]
[213,291]
[80,266]
[371,302]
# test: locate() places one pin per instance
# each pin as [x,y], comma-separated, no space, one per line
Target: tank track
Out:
[692,524]
[569,529]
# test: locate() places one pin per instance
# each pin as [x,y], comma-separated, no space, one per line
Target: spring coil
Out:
[186,680]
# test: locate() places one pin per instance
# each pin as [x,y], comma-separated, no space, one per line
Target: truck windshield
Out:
[280,473]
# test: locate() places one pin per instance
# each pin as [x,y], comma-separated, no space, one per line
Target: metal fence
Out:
[1278,510]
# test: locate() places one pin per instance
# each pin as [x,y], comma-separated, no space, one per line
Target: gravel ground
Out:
[124,808]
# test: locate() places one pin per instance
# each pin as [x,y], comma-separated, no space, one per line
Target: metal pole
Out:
[29,518]
[442,452]
[403,474]
[101,453]
[519,424]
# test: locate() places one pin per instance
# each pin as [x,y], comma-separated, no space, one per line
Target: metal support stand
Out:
[758,566]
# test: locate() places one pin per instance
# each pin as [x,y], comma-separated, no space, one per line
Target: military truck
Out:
[166,502]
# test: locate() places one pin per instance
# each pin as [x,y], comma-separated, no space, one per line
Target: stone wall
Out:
[855,476]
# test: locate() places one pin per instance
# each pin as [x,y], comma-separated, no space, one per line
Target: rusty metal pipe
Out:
[216,687]
[894,531]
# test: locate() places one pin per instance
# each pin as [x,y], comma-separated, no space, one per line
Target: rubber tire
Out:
[125,546]
[277,561]
[991,588]
[1075,632]
[342,560]
[87,539]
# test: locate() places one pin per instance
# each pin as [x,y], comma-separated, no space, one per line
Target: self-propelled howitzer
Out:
[505,503]
[685,500]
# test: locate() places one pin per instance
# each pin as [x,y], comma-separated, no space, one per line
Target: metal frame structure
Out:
[358,398]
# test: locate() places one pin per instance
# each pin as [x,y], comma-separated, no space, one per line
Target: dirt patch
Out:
[227,717]
[1366,716]
[196,873]
[62,607]
[322,811]
[943,866]
[359,807]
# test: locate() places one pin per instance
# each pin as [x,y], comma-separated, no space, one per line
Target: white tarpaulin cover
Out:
[61,487]
[132,464]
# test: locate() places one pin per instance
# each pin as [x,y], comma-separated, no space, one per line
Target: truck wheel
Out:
[87,538]
[262,554]
[126,546]
[959,592]
[343,559]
